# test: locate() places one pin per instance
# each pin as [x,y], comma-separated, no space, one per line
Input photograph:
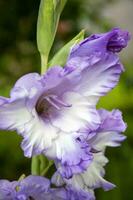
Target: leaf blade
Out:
[61,56]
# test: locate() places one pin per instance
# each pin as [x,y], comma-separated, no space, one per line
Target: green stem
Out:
[35,165]
[44,63]
[44,172]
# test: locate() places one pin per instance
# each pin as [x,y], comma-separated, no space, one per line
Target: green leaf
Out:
[61,56]
[48,18]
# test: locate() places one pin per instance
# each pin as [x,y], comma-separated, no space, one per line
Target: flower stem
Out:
[44,63]
[35,165]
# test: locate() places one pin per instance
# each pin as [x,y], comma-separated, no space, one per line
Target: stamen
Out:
[58,101]
[50,100]
[45,102]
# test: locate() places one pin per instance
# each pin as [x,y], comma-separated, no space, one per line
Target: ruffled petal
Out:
[90,179]
[111,120]
[108,133]
[93,177]
[72,156]
[76,189]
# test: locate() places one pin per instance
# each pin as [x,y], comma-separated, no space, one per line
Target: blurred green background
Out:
[19,55]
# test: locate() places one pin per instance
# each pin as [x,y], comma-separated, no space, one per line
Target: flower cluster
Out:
[56,115]
[38,188]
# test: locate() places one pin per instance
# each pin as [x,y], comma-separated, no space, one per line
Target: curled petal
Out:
[118,41]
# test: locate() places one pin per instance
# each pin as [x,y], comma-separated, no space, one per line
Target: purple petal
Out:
[7,190]
[99,68]
[13,114]
[108,133]
[100,78]
[118,41]
[58,80]
[29,81]
[111,121]
[57,194]
[100,43]
[34,186]
[73,194]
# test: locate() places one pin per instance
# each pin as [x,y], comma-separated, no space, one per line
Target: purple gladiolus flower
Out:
[49,110]
[38,188]
[30,188]
[107,134]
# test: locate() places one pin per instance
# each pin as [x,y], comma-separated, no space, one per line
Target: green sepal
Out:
[62,55]
[48,18]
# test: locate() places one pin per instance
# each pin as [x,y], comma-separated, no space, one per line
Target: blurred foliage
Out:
[19,55]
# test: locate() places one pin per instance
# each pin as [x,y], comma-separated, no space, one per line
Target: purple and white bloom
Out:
[48,110]
[107,134]
[32,187]
[38,188]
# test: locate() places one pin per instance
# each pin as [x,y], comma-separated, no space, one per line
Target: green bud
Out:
[48,18]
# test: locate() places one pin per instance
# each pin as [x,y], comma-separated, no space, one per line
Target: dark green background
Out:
[18,55]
